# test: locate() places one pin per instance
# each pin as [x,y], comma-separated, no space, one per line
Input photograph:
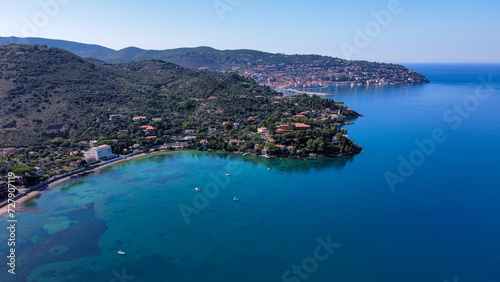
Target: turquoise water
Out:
[441,222]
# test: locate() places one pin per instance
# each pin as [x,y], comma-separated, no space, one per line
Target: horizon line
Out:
[204,46]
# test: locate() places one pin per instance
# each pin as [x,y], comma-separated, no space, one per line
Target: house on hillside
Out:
[39,170]
[148,129]
[139,119]
[236,142]
[301,126]
[262,130]
[284,128]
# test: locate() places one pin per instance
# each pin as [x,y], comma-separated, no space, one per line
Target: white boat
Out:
[197,189]
[121,253]
[235,199]
[268,168]
[227,174]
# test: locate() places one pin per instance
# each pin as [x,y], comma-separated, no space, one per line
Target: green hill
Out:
[277,70]
[46,93]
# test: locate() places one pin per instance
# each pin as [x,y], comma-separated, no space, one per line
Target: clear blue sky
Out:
[418,31]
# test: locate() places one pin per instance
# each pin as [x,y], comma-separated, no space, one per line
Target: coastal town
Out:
[290,72]
[153,106]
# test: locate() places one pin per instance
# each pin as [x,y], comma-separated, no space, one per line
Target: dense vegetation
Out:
[52,100]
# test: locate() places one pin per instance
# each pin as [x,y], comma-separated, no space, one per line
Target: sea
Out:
[420,203]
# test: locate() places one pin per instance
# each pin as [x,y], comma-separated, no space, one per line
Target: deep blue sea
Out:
[420,203]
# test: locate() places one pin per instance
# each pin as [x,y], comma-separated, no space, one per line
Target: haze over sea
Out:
[442,222]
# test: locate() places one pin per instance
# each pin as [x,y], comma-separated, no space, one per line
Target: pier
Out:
[305,92]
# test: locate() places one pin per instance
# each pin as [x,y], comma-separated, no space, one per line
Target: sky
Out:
[395,31]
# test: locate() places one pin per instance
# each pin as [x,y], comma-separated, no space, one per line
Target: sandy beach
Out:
[20,201]
[62,180]
[53,184]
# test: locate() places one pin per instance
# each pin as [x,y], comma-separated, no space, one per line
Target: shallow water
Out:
[441,223]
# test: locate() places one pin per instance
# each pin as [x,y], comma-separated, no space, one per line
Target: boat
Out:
[227,174]
[268,168]
[235,199]
[197,189]
[121,253]
[245,154]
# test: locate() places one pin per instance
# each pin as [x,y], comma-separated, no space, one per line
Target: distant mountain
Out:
[276,70]
[82,50]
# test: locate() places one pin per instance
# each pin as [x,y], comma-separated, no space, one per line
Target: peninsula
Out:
[279,71]
[61,112]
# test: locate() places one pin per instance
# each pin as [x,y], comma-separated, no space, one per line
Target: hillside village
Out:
[83,112]
[325,71]
[304,134]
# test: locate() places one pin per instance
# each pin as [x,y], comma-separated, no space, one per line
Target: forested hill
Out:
[47,93]
[277,70]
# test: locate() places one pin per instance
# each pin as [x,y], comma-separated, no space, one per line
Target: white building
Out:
[90,160]
[102,152]
[262,130]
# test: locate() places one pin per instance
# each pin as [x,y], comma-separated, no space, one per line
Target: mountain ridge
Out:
[276,70]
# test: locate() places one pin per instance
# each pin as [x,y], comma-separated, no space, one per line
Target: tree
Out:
[20,170]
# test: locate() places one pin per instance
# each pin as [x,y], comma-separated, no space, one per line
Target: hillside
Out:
[46,93]
[276,70]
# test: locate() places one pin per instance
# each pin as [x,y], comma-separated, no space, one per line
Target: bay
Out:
[441,222]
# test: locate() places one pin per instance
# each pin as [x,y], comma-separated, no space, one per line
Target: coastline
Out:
[64,179]
[32,193]
[20,199]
